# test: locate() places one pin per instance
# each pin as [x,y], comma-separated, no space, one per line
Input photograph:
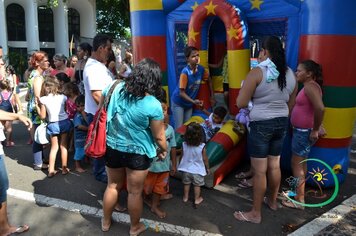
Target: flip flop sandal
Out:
[242,175]
[265,201]
[65,170]
[122,209]
[52,174]
[292,205]
[244,184]
[20,229]
[104,228]
[239,215]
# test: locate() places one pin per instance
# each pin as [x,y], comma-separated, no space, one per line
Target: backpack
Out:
[5,104]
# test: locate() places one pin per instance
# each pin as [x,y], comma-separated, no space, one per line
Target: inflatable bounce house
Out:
[323,31]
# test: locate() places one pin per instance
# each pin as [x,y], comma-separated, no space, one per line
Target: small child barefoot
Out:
[166,196]
[185,199]
[80,170]
[198,200]
[161,214]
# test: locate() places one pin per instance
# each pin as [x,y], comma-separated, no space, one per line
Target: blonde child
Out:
[8,100]
[194,163]
[80,132]
[52,105]
[157,180]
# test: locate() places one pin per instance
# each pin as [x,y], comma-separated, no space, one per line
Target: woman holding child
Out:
[272,88]
[134,130]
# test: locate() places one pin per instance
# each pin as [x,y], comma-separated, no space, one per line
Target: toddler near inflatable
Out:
[323,31]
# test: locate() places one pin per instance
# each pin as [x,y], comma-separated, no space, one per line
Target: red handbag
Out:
[95,144]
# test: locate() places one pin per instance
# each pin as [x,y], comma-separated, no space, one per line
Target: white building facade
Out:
[29,25]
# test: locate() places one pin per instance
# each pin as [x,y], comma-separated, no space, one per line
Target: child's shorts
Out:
[301,143]
[79,153]
[157,183]
[195,179]
[55,128]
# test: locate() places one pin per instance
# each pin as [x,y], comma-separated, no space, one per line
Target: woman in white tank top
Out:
[272,88]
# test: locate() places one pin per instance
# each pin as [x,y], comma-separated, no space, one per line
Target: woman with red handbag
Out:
[135,131]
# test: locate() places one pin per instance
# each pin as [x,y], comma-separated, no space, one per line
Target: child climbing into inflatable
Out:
[194,163]
[157,180]
[214,122]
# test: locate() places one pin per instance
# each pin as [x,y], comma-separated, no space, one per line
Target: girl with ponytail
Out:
[271,86]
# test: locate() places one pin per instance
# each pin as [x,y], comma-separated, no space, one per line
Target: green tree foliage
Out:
[113,18]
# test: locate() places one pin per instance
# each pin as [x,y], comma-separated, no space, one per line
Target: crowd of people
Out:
[141,149]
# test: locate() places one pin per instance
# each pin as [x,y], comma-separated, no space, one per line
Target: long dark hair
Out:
[146,77]
[275,48]
[315,69]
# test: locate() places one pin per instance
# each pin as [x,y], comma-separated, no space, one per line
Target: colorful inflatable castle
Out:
[323,31]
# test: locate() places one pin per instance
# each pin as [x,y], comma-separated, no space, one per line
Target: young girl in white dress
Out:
[194,163]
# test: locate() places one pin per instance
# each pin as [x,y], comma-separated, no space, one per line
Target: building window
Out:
[73,24]
[45,24]
[15,18]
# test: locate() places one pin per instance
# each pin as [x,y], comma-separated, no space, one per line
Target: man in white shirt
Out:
[96,78]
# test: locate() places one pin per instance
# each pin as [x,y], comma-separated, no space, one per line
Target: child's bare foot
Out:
[79,169]
[137,230]
[161,214]
[185,199]
[166,196]
[198,200]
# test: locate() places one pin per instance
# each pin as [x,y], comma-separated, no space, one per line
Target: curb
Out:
[331,217]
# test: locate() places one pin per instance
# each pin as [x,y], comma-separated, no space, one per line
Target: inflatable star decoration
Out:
[256,4]
[211,8]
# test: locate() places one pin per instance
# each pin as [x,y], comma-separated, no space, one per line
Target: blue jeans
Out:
[266,137]
[180,114]
[99,170]
[4,180]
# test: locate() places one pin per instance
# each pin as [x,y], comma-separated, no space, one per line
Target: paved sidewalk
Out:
[339,221]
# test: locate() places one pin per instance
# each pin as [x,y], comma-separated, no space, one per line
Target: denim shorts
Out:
[4,180]
[117,159]
[55,128]
[195,179]
[301,143]
[266,137]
